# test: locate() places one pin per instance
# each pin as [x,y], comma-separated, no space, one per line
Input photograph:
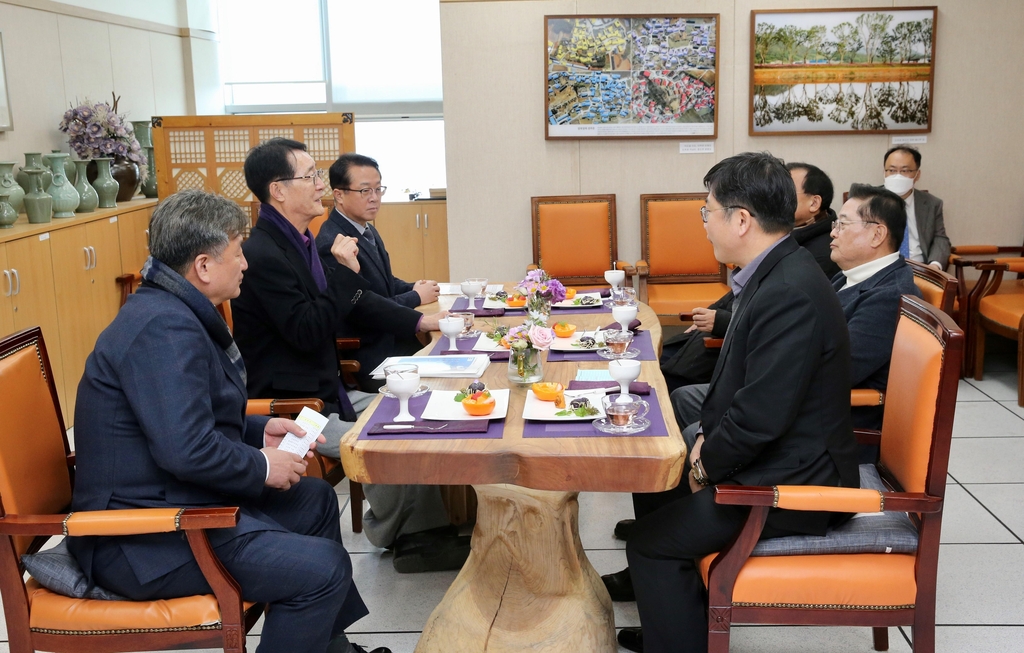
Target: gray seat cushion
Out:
[879,532]
[58,571]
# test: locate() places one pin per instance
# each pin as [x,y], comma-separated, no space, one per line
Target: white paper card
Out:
[313,423]
[904,140]
[699,147]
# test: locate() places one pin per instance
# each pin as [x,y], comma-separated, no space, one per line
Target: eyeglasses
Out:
[906,172]
[318,174]
[705,211]
[839,225]
[365,192]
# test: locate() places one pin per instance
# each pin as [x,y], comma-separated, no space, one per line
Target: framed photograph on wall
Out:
[631,76]
[6,122]
[842,71]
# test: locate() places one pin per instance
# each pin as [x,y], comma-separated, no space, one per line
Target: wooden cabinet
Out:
[29,268]
[416,236]
[133,233]
[62,276]
[86,262]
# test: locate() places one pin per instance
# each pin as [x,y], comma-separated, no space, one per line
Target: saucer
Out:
[384,391]
[605,426]
[605,352]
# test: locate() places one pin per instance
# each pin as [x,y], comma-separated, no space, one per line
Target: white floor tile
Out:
[354,542]
[809,639]
[397,642]
[1004,501]
[967,392]
[980,639]
[599,511]
[397,602]
[964,520]
[980,584]
[987,460]
[976,419]
[1001,386]
[1012,406]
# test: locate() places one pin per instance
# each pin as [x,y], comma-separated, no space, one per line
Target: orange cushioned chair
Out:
[997,312]
[679,271]
[858,589]
[938,288]
[575,238]
[36,483]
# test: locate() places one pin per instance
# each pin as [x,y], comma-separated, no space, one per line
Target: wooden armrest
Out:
[686,317]
[532,266]
[866,397]
[713,343]
[346,343]
[867,436]
[830,499]
[120,522]
[642,268]
[973,250]
[282,406]
[624,266]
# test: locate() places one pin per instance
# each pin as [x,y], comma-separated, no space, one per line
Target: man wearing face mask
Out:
[925,238]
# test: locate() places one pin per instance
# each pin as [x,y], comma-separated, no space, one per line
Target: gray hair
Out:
[191,223]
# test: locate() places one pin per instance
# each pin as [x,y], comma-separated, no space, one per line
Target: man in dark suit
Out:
[866,240]
[812,221]
[286,316]
[160,422]
[777,410]
[356,183]
[925,239]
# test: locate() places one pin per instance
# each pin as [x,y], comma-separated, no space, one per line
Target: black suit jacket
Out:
[395,336]
[285,327]
[778,406]
[816,238]
[872,309]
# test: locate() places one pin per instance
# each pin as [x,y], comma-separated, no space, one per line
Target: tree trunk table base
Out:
[527,586]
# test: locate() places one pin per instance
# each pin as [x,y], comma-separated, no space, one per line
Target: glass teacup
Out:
[623,410]
[468,320]
[618,342]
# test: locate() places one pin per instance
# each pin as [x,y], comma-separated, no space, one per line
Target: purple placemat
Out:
[635,387]
[605,292]
[641,341]
[465,346]
[387,410]
[461,305]
[585,429]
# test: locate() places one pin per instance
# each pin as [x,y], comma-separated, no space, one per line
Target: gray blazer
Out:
[931,230]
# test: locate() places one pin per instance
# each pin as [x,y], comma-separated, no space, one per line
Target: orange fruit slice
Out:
[479,404]
[564,329]
[547,391]
[570,293]
[516,301]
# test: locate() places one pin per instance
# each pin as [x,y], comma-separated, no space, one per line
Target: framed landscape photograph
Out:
[842,71]
[630,76]
[6,123]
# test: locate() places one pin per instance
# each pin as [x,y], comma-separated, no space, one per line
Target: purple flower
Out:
[557,290]
[95,130]
[121,149]
[84,112]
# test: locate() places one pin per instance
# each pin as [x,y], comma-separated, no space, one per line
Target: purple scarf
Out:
[303,242]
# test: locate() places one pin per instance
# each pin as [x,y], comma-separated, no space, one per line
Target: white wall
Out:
[497,158]
[54,60]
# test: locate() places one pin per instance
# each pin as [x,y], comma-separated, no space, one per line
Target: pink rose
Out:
[541,337]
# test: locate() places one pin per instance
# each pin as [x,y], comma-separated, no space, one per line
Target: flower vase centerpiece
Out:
[540,291]
[525,344]
[96,130]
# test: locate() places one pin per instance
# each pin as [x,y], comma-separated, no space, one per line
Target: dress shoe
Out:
[623,529]
[631,639]
[424,537]
[356,648]
[620,585]
[443,553]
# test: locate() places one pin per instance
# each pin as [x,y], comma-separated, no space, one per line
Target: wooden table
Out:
[528,584]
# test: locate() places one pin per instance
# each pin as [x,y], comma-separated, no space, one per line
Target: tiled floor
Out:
[980,605]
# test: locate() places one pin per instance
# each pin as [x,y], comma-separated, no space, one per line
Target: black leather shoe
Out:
[445,553]
[620,585]
[631,639]
[623,529]
[356,648]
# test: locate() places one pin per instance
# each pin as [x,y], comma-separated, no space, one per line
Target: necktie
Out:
[905,245]
[371,246]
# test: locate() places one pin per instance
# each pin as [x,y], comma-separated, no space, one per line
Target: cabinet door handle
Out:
[92,251]
[426,218]
[10,283]
[147,235]
[417,217]
[17,281]
[88,259]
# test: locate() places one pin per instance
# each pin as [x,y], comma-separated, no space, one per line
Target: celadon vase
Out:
[65,197]
[8,216]
[69,167]
[38,203]
[34,160]
[90,200]
[104,183]
[8,184]
[149,186]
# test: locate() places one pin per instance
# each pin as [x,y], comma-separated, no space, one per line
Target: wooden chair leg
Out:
[356,497]
[979,351]
[881,635]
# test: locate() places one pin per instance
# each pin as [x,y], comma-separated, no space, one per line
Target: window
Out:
[410,154]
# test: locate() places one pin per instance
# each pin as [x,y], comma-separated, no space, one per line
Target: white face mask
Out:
[899,184]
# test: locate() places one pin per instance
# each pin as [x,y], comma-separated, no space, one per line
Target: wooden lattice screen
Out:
[208,151]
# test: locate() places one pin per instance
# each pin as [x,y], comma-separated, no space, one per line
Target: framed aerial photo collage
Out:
[631,76]
[842,71]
